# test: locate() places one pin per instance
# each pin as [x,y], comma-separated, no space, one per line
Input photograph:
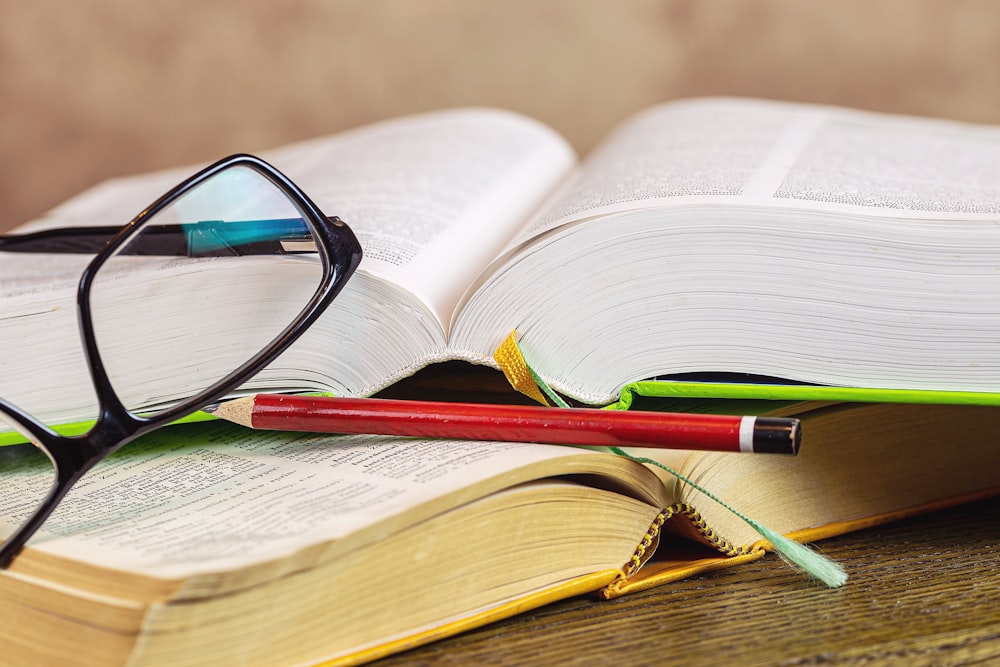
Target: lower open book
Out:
[206,544]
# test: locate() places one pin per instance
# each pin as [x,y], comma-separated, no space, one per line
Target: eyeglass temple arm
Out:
[203,239]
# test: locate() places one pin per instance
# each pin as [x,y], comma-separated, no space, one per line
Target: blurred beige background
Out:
[97,88]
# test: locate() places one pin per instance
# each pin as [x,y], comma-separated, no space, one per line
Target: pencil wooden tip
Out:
[239,411]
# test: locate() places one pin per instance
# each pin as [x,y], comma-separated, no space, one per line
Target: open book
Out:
[205,544]
[806,243]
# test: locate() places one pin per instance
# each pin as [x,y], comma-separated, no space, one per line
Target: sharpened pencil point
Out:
[239,411]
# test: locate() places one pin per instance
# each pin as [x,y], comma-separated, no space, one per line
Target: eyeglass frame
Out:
[115,426]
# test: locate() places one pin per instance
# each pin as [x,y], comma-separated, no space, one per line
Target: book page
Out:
[869,163]
[672,153]
[433,198]
[42,357]
[748,152]
[208,497]
[676,153]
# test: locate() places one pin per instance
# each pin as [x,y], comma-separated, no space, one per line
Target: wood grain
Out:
[924,591]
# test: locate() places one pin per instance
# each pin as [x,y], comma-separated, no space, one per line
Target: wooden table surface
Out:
[923,591]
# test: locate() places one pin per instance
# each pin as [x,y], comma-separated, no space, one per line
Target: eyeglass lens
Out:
[168,327]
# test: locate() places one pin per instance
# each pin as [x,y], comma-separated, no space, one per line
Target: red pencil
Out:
[510,423]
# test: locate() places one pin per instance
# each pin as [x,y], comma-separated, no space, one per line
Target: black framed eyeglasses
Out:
[239,242]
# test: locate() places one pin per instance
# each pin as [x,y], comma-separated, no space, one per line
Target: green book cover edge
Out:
[79,428]
[676,389]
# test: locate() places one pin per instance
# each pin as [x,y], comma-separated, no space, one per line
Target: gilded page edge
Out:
[588,583]
[658,573]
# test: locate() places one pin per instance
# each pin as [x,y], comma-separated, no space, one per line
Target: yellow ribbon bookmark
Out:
[510,360]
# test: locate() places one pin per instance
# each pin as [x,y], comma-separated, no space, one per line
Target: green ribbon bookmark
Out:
[512,362]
